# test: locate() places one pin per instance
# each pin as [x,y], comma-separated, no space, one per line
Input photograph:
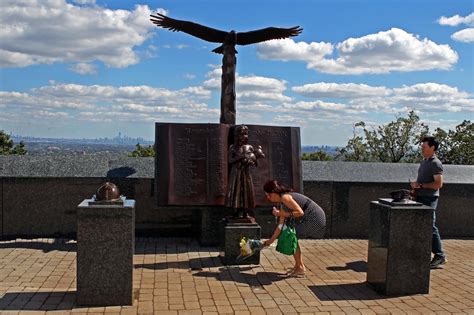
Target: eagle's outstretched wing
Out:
[198,30]
[246,38]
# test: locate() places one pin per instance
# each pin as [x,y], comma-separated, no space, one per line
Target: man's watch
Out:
[421,185]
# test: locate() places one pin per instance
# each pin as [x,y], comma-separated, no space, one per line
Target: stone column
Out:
[231,233]
[105,247]
[399,247]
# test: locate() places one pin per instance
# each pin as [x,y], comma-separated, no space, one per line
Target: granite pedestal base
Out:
[399,247]
[105,247]
[231,234]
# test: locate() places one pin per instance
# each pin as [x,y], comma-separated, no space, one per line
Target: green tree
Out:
[316,156]
[394,142]
[143,151]
[444,145]
[456,146]
[356,150]
[7,146]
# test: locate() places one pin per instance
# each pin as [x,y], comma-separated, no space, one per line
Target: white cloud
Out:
[258,107]
[287,50]
[103,103]
[26,101]
[384,52]
[317,105]
[425,97]
[336,90]
[49,114]
[254,89]
[84,1]
[148,109]
[289,120]
[433,97]
[429,90]
[84,68]
[143,93]
[251,89]
[45,32]
[456,20]
[68,104]
[465,35]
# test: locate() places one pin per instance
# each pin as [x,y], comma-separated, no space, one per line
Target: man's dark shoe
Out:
[437,261]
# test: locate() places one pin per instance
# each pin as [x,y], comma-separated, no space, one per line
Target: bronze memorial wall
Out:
[191,164]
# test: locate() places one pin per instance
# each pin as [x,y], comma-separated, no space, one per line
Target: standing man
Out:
[427,185]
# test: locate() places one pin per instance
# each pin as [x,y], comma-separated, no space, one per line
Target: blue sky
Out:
[87,69]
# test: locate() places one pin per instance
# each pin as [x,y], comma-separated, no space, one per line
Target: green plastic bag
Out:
[287,241]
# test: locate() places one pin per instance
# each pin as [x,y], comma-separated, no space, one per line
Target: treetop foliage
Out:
[399,140]
[140,151]
[7,147]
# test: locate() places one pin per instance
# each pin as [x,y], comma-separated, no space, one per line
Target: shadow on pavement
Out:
[46,247]
[234,273]
[38,301]
[165,246]
[357,266]
[192,264]
[346,291]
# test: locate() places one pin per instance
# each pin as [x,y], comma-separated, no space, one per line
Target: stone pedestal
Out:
[399,247]
[231,233]
[105,247]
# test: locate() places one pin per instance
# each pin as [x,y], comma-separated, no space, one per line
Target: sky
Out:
[94,68]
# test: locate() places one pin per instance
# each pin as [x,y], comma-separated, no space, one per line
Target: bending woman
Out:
[310,219]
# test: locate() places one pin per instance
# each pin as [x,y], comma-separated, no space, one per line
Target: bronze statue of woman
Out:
[240,191]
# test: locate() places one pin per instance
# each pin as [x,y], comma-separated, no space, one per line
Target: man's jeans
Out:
[432,201]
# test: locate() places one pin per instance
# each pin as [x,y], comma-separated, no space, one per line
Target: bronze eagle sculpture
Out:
[227,49]
[231,38]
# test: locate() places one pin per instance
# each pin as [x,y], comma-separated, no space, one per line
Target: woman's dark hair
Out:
[273,186]
[431,142]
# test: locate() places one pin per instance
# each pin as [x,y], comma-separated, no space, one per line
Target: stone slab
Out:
[43,206]
[105,248]
[454,214]
[130,167]
[399,250]
[365,172]
[401,203]
[232,233]
[103,165]
[350,213]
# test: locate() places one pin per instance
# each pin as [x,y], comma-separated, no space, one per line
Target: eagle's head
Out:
[231,38]
[230,41]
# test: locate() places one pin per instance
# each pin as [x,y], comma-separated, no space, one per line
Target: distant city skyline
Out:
[117,139]
[91,68]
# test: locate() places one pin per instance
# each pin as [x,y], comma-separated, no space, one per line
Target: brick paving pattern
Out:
[177,276]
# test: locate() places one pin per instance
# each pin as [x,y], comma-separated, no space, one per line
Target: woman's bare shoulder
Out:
[286,197]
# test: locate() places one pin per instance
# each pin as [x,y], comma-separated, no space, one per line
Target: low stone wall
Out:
[39,196]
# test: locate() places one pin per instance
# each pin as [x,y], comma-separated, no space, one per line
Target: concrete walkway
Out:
[177,276]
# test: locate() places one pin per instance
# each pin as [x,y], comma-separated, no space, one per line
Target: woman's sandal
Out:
[298,274]
[290,271]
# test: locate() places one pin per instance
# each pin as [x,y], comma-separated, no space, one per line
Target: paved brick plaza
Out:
[177,276]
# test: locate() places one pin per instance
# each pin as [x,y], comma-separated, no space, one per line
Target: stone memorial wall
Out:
[39,195]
